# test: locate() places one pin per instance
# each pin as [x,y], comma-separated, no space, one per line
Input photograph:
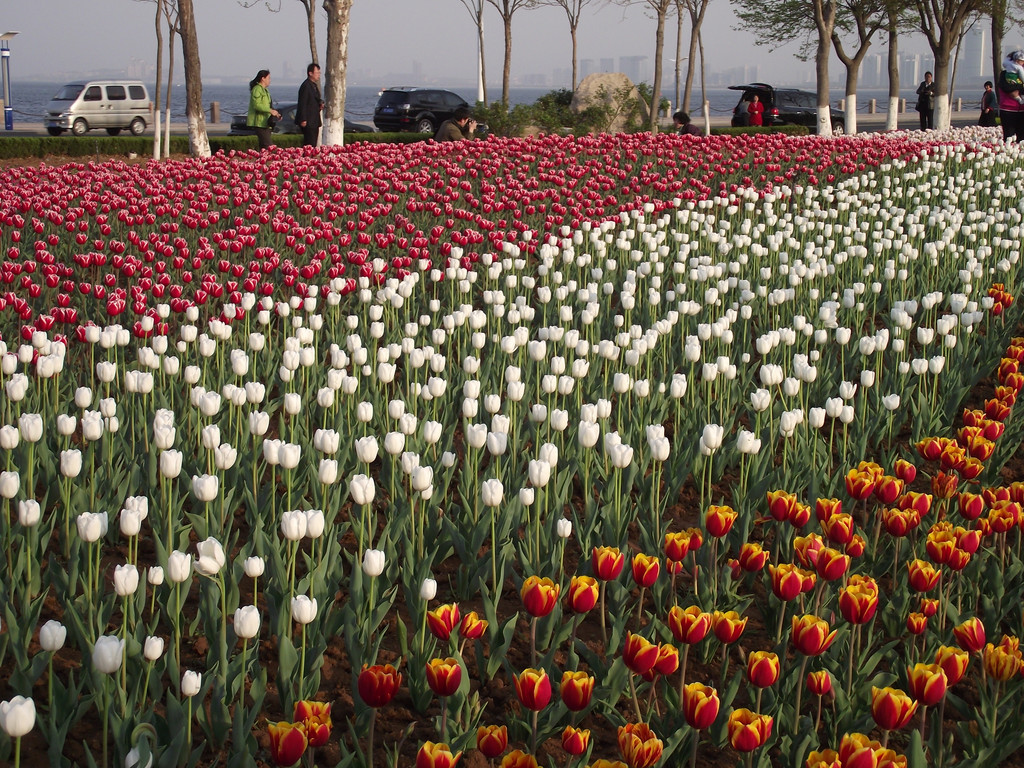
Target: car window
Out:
[68,93]
[430,100]
[137,92]
[453,101]
[93,93]
[392,98]
[116,93]
[798,99]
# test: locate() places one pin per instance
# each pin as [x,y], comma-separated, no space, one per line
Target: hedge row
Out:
[107,146]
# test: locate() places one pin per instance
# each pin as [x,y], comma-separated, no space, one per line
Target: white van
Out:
[110,104]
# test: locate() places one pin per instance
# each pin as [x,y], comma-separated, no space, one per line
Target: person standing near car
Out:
[926,102]
[756,110]
[261,108]
[460,126]
[307,113]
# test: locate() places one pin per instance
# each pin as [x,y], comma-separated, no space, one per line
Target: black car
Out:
[286,124]
[415,109]
[783,106]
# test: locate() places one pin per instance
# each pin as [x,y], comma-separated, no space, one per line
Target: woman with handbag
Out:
[262,115]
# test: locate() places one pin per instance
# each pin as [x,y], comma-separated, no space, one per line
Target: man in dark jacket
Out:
[461,126]
[307,114]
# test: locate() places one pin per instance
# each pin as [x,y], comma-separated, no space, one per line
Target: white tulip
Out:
[563,528]
[52,636]
[327,471]
[170,463]
[153,648]
[253,566]
[126,579]
[107,653]
[362,489]
[492,492]
[210,558]
[31,427]
[247,622]
[205,487]
[17,716]
[155,575]
[92,526]
[191,683]
[428,589]
[179,567]
[28,513]
[315,523]
[367,449]
[293,524]
[373,562]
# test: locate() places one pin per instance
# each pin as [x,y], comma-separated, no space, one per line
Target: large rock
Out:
[616,93]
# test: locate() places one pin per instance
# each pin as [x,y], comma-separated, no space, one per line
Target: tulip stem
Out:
[693,749]
[799,693]
[369,749]
[636,701]
[604,631]
[682,672]
[640,608]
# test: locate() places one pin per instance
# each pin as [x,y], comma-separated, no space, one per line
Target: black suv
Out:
[415,109]
[783,106]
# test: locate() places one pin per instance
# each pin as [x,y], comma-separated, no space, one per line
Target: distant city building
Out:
[634,67]
[607,65]
[974,60]
[587,67]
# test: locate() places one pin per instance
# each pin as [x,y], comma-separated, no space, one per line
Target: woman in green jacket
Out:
[261,109]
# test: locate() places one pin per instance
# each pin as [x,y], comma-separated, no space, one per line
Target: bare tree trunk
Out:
[703,87]
[893,63]
[659,50]
[997,13]
[172,32]
[942,69]
[159,76]
[696,9]
[679,50]
[572,34]
[824,21]
[198,141]
[338,19]
[506,72]
[481,86]
[852,74]
[310,6]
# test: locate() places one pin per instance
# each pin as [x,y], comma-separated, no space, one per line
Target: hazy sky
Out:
[391,41]
[432,37]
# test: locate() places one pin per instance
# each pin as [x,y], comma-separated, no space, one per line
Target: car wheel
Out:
[79,127]
[425,125]
[114,131]
[838,129]
[137,126]
[55,131]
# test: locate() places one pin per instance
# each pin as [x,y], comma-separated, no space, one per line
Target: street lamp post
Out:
[5,71]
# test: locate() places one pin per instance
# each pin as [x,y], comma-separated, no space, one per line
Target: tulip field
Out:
[601,451]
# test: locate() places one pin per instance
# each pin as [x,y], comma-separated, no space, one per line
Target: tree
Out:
[573,11]
[338,18]
[660,10]
[159,75]
[941,21]
[198,141]
[866,17]
[507,9]
[476,12]
[793,19]
[696,9]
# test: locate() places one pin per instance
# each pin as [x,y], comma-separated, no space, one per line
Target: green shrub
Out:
[789,130]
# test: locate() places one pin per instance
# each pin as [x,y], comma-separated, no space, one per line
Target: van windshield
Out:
[69,92]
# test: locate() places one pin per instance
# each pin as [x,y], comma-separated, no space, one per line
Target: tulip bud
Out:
[191,682]
[52,636]
[373,562]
